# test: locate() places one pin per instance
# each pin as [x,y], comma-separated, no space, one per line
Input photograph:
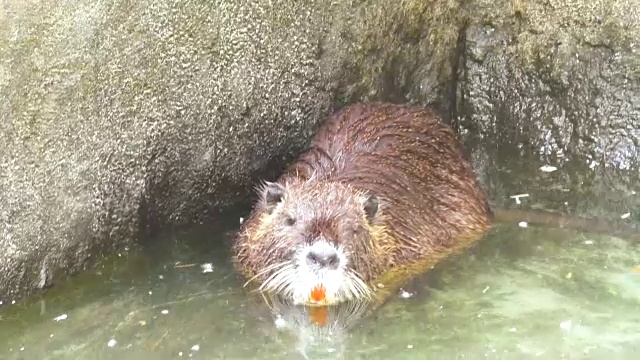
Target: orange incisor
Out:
[318,314]
[318,294]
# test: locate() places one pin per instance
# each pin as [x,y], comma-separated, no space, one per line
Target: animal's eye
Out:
[289,221]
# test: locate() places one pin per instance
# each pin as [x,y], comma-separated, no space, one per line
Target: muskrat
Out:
[382,193]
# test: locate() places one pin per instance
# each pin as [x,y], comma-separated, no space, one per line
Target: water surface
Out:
[521,293]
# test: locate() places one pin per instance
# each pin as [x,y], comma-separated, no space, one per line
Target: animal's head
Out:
[315,241]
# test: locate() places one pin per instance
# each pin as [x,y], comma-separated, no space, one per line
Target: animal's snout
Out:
[323,255]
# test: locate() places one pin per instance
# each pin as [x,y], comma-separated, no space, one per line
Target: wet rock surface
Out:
[555,83]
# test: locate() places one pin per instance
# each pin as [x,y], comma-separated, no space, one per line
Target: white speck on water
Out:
[513,329]
[517,197]
[588,242]
[331,350]
[280,323]
[164,312]
[380,286]
[633,192]
[180,354]
[206,268]
[625,215]
[565,325]
[60,317]
[405,294]
[112,343]
[539,353]
[22,348]
[195,347]
[548,168]
[13,302]
[485,290]
[150,292]
[523,224]
[409,346]
[160,277]
[51,335]
[241,220]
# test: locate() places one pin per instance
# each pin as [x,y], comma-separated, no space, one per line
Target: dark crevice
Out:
[451,91]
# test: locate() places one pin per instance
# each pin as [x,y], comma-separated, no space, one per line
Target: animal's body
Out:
[383,192]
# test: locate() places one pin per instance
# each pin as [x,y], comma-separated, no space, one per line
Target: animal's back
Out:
[430,198]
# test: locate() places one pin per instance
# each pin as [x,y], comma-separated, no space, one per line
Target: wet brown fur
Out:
[430,202]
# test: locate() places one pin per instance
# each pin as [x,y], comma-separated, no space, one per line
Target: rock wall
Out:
[554,83]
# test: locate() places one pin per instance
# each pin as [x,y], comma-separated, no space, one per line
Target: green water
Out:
[522,293]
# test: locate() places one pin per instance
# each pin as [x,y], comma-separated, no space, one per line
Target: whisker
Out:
[280,280]
[265,270]
[273,276]
[361,289]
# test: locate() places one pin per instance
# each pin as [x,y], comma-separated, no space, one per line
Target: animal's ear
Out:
[370,205]
[272,194]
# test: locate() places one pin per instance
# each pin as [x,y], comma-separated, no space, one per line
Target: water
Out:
[522,293]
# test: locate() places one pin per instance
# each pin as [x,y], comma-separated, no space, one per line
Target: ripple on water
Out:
[522,293]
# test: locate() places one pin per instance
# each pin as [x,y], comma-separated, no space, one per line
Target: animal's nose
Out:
[326,258]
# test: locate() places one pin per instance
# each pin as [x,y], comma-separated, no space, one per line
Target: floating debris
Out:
[60,317]
[588,242]
[195,347]
[241,220]
[280,323]
[405,294]
[206,268]
[112,343]
[518,197]
[485,290]
[164,312]
[513,329]
[182,266]
[548,168]
[565,325]
[625,215]
[569,275]
[523,224]
[409,346]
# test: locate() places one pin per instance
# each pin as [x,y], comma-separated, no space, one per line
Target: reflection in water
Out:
[521,293]
[319,330]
